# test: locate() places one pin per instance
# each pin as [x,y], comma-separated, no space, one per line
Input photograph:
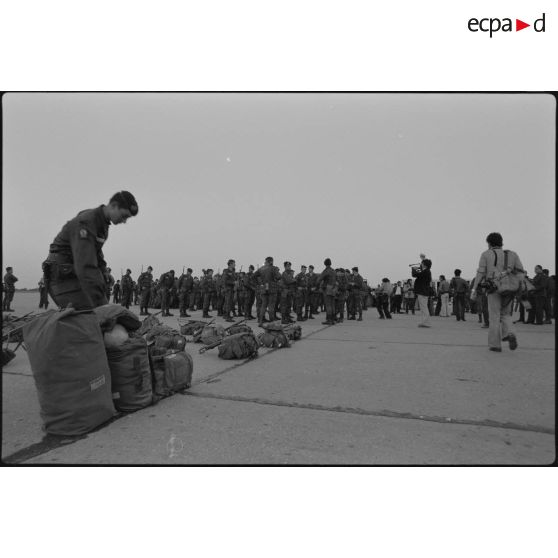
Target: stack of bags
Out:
[87,363]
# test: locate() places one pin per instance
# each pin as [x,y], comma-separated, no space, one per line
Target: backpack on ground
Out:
[239,346]
[273,339]
[240,328]
[131,375]
[171,371]
[212,333]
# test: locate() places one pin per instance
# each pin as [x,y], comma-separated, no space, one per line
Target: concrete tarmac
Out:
[370,392]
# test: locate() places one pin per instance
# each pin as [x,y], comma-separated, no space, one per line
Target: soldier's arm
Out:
[86,264]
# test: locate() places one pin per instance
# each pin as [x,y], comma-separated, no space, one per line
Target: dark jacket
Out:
[423,279]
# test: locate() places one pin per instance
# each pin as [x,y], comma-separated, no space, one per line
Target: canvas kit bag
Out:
[71,372]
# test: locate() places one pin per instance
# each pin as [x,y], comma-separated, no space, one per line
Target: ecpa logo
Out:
[493,25]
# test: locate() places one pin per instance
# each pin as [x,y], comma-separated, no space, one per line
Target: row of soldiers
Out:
[230,293]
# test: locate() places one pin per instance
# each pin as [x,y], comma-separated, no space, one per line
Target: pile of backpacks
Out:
[87,365]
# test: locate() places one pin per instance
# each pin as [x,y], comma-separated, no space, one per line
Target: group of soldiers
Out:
[231,293]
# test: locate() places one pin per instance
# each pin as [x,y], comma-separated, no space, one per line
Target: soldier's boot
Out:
[360,317]
[341,317]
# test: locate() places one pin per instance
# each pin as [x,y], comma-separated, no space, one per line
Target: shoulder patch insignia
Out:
[82,233]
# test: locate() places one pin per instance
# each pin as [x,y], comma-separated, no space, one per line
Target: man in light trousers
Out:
[499,306]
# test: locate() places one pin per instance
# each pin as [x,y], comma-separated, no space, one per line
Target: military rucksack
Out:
[239,346]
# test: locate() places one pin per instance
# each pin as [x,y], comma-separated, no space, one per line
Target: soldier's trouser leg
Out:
[264,302]
[164,301]
[144,303]
[358,307]
[258,304]
[228,303]
[330,307]
[182,303]
[272,306]
[248,303]
[206,301]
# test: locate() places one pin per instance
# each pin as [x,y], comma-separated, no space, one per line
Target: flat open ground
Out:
[370,392]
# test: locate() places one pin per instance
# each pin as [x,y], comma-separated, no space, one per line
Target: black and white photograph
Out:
[275,278]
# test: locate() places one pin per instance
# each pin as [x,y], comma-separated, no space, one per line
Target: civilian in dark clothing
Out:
[539,295]
[423,278]
[548,299]
[459,287]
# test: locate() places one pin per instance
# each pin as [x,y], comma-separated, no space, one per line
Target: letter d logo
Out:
[538,26]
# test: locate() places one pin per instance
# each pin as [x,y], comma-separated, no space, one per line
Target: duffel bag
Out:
[239,346]
[273,339]
[171,371]
[171,340]
[71,371]
[131,375]
[111,314]
[212,333]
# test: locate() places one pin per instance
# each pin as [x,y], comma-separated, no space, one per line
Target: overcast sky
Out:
[366,179]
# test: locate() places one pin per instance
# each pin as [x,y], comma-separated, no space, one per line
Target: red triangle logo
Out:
[519,25]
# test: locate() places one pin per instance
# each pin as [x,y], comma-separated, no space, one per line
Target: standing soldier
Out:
[185,286]
[127,288]
[268,277]
[43,294]
[75,267]
[109,282]
[208,290]
[135,290]
[9,285]
[328,280]
[312,285]
[301,294]
[218,299]
[241,290]
[196,301]
[288,286]
[341,296]
[166,283]
[355,288]
[229,278]
[145,282]
[116,292]
[250,285]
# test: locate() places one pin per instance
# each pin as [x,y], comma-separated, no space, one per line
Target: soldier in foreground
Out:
[75,267]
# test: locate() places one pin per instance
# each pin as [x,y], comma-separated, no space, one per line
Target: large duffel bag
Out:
[148,324]
[239,346]
[293,332]
[111,314]
[171,371]
[71,371]
[212,333]
[131,375]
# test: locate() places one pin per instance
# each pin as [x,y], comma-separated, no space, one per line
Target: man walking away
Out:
[499,306]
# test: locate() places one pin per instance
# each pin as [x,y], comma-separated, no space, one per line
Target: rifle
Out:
[237,323]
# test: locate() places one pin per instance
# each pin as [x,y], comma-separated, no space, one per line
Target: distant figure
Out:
[116,292]
[443,291]
[43,294]
[75,269]
[145,284]
[383,293]
[328,279]
[166,282]
[127,289]
[9,289]
[459,287]
[423,278]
